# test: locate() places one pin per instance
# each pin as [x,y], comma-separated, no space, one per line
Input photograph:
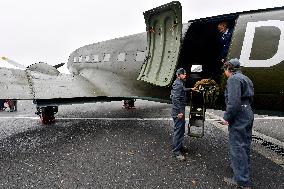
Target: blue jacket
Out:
[178,96]
[239,91]
[225,40]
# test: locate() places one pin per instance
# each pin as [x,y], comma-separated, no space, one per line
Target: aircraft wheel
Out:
[129,104]
[46,114]
[47,119]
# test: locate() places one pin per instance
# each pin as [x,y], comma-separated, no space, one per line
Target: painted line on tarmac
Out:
[131,119]
[102,118]
[269,154]
[19,117]
[267,138]
[272,118]
[116,119]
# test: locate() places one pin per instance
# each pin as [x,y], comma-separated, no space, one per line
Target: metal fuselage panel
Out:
[116,78]
[258,42]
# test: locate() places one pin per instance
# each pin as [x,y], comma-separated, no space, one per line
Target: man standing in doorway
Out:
[178,96]
[239,118]
[225,39]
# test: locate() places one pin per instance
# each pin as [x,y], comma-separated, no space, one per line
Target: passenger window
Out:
[106,57]
[80,58]
[196,68]
[121,57]
[87,58]
[96,58]
[140,56]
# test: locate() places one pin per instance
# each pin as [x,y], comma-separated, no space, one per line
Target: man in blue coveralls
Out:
[225,39]
[178,96]
[239,118]
[2,104]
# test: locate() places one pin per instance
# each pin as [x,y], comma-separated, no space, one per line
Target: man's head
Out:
[231,66]
[181,73]
[222,27]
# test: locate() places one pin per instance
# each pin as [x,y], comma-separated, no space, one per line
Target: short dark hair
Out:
[180,71]
[224,23]
[230,67]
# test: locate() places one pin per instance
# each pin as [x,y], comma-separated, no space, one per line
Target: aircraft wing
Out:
[42,81]
[60,86]
[14,84]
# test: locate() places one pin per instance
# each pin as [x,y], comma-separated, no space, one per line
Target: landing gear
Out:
[46,114]
[129,104]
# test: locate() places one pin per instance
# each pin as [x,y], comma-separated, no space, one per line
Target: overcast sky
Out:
[48,31]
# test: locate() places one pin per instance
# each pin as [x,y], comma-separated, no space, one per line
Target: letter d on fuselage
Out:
[258,41]
[249,40]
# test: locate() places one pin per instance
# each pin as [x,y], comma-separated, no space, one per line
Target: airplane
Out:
[143,65]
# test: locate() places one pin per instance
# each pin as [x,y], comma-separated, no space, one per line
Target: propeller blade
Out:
[58,65]
[12,62]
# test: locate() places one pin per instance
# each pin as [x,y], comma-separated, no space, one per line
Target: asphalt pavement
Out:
[102,145]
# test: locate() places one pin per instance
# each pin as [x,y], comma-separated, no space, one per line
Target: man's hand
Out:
[224,122]
[180,116]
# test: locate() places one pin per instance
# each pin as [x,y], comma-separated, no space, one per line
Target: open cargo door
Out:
[164,31]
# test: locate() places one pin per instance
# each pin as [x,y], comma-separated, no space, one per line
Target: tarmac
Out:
[102,145]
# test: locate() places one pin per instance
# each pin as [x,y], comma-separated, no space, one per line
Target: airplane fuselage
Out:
[116,67]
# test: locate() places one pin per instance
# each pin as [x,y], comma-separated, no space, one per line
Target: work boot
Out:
[184,150]
[231,182]
[179,157]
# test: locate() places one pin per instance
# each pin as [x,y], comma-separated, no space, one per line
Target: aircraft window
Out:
[140,56]
[121,57]
[80,58]
[87,59]
[96,58]
[75,59]
[196,68]
[106,57]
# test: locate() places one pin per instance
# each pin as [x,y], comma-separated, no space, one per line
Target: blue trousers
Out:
[179,129]
[2,103]
[240,136]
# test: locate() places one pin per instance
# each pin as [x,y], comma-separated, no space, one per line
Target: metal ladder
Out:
[197,113]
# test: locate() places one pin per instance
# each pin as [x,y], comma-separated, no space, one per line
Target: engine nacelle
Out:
[43,68]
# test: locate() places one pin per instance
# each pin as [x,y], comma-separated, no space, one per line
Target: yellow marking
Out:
[4,58]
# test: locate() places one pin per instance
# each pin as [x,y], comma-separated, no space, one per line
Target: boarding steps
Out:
[196,113]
